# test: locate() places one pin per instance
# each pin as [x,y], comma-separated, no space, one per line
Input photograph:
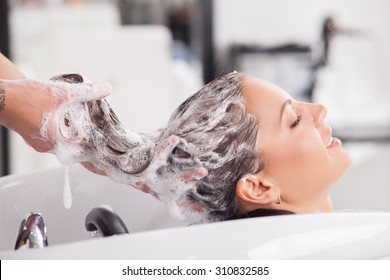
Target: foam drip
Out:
[67,194]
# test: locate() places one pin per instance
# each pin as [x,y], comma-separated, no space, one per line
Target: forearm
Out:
[14,104]
[8,70]
[5,102]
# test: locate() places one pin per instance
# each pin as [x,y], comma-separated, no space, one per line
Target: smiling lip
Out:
[332,142]
[329,139]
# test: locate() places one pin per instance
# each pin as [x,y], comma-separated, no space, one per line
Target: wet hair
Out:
[221,136]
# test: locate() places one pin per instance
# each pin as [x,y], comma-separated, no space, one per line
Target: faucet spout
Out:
[32,232]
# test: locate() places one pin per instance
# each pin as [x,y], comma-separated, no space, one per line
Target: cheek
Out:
[297,160]
[299,151]
[310,148]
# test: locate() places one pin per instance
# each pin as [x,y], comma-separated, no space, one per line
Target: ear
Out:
[255,190]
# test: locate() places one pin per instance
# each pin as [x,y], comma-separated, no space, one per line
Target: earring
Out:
[279,200]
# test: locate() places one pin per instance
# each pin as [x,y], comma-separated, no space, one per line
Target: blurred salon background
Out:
[156,53]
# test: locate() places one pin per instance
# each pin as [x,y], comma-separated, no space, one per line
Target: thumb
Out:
[88,91]
[70,93]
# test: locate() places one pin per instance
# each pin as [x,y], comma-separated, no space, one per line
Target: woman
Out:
[265,152]
[246,148]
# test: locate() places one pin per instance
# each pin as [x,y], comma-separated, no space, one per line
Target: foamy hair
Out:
[221,135]
[90,131]
[218,134]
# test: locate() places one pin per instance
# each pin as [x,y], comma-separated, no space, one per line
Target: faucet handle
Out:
[102,221]
[32,232]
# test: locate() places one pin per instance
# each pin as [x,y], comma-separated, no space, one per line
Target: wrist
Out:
[19,111]
[6,102]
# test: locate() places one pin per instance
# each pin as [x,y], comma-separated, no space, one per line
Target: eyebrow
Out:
[285,103]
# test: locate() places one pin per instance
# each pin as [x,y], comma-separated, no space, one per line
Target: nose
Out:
[319,112]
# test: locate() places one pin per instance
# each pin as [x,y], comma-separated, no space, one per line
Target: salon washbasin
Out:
[155,235]
[42,192]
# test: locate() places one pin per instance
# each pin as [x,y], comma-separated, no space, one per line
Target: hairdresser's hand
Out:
[30,106]
[158,179]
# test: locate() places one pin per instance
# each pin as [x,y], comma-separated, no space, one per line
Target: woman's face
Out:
[301,157]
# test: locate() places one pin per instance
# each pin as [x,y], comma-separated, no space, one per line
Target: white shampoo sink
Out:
[155,235]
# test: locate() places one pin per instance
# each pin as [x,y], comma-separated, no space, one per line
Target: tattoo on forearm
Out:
[2,97]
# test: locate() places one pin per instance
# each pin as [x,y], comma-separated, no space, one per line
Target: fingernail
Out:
[174,139]
[201,173]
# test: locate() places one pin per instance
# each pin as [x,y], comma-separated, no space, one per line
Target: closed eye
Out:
[296,122]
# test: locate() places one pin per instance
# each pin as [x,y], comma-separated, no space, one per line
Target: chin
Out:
[348,160]
[342,168]
[343,162]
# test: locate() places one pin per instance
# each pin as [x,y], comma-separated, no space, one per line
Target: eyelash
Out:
[296,122]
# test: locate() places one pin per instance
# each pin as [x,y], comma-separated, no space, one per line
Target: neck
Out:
[320,205]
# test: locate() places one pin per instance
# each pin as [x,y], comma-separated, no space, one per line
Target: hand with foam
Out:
[30,106]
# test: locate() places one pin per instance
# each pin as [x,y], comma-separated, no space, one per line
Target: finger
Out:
[165,147]
[148,190]
[89,92]
[69,93]
[194,175]
[92,168]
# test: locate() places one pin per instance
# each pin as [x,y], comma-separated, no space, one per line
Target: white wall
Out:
[280,21]
[356,79]
[366,184]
